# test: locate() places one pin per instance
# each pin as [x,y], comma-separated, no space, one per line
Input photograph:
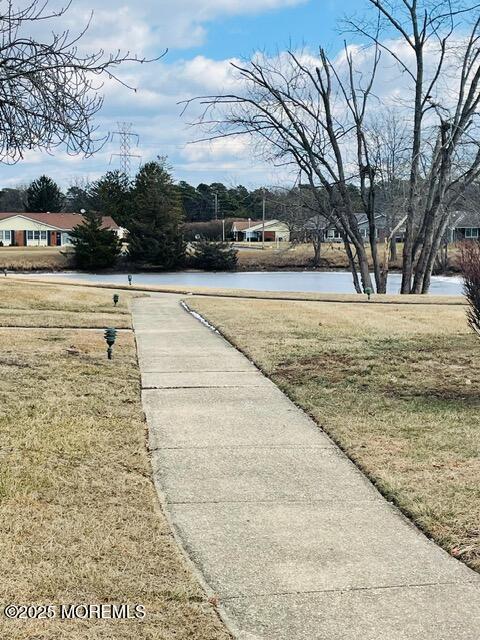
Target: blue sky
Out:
[311,22]
[202,36]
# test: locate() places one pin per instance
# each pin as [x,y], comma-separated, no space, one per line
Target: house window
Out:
[36,235]
[333,233]
[471,232]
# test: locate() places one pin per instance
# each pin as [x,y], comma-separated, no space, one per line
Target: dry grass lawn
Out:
[79,518]
[396,386]
[300,256]
[33,258]
[297,256]
[49,305]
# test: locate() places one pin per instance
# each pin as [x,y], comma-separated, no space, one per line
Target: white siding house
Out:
[43,229]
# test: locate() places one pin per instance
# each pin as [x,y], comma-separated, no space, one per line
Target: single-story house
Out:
[43,229]
[240,227]
[252,231]
[464,225]
[332,233]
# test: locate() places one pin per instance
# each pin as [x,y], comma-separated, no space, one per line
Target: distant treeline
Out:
[111,195]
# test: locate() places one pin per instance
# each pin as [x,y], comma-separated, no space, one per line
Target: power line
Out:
[126,135]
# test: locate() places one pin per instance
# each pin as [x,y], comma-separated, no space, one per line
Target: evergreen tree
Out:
[214,256]
[95,247]
[76,198]
[44,195]
[12,199]
[155,229]
[191,201]
[111,196]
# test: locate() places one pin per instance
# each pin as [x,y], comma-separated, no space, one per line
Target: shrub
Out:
[94,246]
[214,256]
[211,230]
[470,265]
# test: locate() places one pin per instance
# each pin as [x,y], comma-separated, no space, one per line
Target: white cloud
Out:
[156,24]
[147,28]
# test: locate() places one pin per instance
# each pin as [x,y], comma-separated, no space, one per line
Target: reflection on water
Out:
[311,281]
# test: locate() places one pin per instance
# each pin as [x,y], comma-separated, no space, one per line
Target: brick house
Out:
[43,229]
[252,230]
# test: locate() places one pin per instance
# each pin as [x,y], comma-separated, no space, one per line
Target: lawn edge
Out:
[405,513]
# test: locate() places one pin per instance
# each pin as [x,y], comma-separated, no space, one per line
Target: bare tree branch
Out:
[49,90]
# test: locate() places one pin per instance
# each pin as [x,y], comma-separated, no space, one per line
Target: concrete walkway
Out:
[290,536]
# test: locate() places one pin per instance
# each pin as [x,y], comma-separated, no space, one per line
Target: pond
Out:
[311,281]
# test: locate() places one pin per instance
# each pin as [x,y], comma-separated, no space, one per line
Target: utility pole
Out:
[125,134]
[264,200]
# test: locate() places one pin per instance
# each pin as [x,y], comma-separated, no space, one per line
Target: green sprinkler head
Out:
[368,291]
[110,336]
[115,299]
[129,279]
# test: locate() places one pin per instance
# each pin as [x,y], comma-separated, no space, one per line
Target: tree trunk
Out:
[393,250]
[407,270]
[364,268]
[317,247]
[353,267]
[378,268]
[433,252]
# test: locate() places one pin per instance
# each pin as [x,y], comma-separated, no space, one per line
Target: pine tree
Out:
[215,256]
[95,247]
[44,195]
[110,195]
[155,230]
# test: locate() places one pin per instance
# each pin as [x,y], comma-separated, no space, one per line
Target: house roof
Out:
[242,225]
[465,219]
[62,221]
[268,223]
[320,221]
[380,219]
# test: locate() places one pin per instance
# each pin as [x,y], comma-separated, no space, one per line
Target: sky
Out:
[202,38]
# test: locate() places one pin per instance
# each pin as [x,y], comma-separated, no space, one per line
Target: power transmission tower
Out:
[126,135]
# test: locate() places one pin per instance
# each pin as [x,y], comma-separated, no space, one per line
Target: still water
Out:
[311,281]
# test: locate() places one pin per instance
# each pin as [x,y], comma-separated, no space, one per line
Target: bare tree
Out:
[315,113]
[305,214]
[309,113]
[49,90]
[389,142]
[442,94]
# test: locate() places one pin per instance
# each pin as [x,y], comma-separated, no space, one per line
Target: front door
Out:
[59,239]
